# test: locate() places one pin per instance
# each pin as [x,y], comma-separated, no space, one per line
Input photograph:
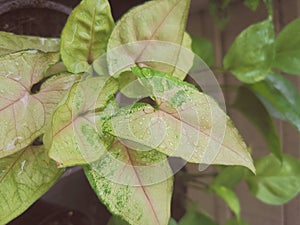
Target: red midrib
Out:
[142,186]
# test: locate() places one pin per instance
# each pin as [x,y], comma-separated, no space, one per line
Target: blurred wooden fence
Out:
[200,23]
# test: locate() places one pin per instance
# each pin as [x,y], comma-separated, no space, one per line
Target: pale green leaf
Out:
[193,217]
[26,102]
[10,43]
[251,54]
[230,176]
[275,183]
[287,46]
[279,94]
[236,221]
[85,36]
[229,197]
[122,180]
[185,123]
[75,136]
[256,112]
[163,21]
[203,48]
[24,177]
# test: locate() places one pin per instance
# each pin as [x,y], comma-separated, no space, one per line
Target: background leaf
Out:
[281,95]
[251,54]
[229,197]
[85,35]
[275,183]
[193,217]
[124,188]
[204,49]
[255,111]
[24,177]
[230,176]
[25,96]
[168,20]
[10,43]
[287,45]
[252,4]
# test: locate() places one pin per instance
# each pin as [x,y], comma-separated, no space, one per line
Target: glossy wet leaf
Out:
[229,197]
[251,54]
[162,21]
[287,46]
[10,43]
[275,183]
[185,123]
[235,221]
[230,176]
[278,93]
[203,48]
[254,110]
[24,177]
[193,217]
[75,136]
[85,36]
[26,102]
[122,181]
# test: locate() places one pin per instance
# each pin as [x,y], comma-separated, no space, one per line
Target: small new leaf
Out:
[85,36]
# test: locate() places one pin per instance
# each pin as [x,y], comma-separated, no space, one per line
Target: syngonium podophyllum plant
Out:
[58,109]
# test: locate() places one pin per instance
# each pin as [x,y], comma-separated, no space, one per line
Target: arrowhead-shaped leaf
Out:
[10,43]
[85,36]
[185,123]
[168,20]
[24,177]
[283,97]
[287,46]
[275,183]
[256,112]
[121,181]
[252,53]
[26,105]
[75,135]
